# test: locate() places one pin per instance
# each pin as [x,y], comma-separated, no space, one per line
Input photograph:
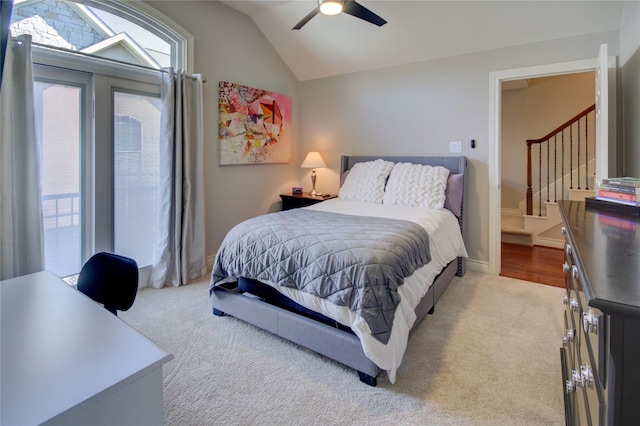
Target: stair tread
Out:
[516,231]
[514,225]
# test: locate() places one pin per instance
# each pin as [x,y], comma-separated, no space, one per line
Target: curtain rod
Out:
[89,55]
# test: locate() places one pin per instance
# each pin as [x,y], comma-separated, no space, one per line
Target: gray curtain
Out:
[21,226]
[180,250]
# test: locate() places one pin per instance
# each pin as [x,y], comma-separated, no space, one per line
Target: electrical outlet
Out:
[455,146]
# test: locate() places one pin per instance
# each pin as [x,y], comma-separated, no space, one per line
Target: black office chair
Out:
[111,280]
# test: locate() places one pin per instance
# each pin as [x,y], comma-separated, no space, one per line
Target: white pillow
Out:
[415,185]
[366,181]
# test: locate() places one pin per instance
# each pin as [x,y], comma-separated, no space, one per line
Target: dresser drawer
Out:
[588,381]
[591,328]
[584,344]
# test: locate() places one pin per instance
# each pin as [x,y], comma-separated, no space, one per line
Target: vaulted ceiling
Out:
[417,30]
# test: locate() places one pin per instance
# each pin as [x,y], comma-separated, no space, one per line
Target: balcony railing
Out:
[60,210]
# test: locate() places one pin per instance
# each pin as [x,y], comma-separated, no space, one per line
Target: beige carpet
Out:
[488,356]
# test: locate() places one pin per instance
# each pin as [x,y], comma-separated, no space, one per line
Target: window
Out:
[99,122]
[130,32]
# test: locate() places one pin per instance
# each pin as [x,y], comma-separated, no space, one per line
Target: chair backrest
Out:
[110,279]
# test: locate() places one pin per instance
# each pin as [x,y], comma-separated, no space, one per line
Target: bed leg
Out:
[218,313]
[432,310]
[365,378]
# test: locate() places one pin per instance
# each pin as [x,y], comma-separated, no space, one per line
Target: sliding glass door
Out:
[100,166]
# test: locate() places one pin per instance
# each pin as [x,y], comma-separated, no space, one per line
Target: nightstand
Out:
[290,201]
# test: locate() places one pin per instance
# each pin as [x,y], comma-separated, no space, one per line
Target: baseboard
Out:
[477,266]
[549,242]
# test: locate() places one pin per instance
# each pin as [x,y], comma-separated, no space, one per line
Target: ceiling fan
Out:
[350,7]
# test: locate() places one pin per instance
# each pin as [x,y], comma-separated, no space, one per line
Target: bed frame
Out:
[335,342]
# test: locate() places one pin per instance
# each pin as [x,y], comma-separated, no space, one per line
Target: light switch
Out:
[455,146]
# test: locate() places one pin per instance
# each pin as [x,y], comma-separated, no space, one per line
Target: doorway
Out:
[495,101]
[532,108]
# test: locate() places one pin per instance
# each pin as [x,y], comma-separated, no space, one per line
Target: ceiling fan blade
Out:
[307,18]
[355,9]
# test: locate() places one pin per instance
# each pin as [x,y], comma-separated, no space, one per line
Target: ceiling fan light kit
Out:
[350,7]
[330,7]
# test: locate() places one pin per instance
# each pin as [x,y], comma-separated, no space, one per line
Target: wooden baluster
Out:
[555,168]
[571,157]
[540,179]
[563,163]
[579,154]
[529,179]
[548,145]
[586,149]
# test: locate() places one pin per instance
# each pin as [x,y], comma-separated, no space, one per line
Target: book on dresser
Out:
[622,190]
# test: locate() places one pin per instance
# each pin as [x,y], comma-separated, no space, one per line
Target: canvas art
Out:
[254,125]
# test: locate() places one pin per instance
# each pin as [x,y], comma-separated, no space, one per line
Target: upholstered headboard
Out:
[455,185]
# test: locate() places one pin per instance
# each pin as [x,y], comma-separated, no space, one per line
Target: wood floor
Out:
[537,264]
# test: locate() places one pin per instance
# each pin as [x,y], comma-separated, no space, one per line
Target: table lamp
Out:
[313,160]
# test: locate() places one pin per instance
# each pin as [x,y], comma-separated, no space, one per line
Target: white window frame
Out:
[153,20]
[180,40]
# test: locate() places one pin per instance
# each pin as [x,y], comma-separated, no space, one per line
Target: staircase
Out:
[540,230]
[563,170]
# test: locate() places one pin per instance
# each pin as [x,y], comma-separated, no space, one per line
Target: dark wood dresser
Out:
[600,351]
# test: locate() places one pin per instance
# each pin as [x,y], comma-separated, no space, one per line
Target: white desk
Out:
[65,360]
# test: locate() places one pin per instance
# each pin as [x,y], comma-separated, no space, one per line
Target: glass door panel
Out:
[136,144]
[59,119]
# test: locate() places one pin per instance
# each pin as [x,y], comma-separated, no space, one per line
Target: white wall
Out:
[229,47]
[630,75]
[416,109]
[531,113]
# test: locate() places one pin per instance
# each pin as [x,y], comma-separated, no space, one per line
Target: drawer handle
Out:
[568,249]
[580,379]
[569,387]
[568,337]
[573,305]
[565,267]
[574,271]
[590,322]
[576,379]
[563,230]
[586,375]
[565,299]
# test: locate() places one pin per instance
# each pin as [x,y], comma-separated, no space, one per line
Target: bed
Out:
[269,272]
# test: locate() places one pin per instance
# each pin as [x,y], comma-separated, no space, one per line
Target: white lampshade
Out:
[330,7]
[313,160]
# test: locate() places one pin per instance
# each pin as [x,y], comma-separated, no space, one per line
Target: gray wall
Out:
[229,47]
[629,63]
[409,109]
[416,109]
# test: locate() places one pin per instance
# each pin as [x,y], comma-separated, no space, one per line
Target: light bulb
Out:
[331,7]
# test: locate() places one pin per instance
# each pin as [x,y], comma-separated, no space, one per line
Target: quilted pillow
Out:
[415,185]
[366,181]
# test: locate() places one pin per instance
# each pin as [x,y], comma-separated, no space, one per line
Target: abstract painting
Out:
[254,125]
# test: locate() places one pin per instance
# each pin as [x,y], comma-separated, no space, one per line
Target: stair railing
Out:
[556,142]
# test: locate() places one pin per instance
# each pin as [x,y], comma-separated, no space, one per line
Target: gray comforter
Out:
[353,261]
